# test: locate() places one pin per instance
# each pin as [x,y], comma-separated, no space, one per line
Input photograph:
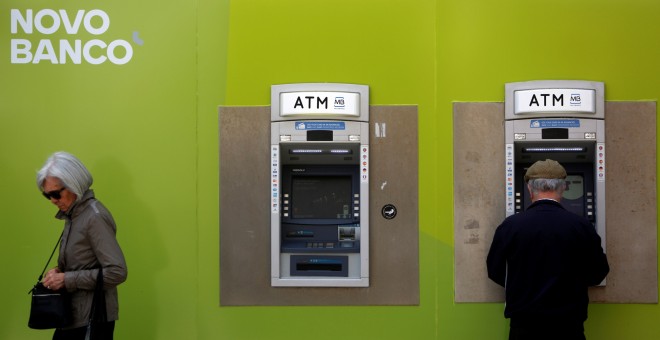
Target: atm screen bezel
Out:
[291,172]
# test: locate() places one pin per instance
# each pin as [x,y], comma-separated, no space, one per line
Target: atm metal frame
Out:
[285,134]
[557,129]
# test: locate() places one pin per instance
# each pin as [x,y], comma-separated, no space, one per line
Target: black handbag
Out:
[49,309]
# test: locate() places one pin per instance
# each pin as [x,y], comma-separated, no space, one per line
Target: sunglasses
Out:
[56,194]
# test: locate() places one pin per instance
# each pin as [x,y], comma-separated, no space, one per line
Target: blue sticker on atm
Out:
[554,123]
[320,125]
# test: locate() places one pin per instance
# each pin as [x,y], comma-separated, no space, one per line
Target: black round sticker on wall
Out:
[388,211]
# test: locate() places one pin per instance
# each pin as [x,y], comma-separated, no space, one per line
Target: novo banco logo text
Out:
[44,23]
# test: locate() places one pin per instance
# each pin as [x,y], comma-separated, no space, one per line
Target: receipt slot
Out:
[564,121]
[319,185]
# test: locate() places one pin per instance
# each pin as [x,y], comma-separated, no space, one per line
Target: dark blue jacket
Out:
[546,257]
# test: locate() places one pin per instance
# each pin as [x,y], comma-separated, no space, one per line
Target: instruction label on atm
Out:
[320,125]
[554,123]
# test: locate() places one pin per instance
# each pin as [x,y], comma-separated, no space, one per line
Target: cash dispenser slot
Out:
[306,265]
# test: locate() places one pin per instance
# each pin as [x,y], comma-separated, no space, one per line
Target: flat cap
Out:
[548,169]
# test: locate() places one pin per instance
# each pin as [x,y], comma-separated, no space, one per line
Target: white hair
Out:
[69,170]
[547,185]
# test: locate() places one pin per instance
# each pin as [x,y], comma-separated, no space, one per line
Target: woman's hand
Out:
[54,279]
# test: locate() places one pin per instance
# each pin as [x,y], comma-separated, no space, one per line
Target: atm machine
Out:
[562,120]
[319,185]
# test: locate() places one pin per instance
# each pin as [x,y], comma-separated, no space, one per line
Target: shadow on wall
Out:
[139,237]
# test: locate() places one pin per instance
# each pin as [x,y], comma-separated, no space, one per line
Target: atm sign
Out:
[554,100]
[313,103]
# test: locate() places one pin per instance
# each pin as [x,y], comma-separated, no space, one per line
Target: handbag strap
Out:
[98,302]
[51,256]
[98,313]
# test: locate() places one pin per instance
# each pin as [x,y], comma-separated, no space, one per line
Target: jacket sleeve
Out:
[103,239]
[100,232]
[596,266]
[496,260]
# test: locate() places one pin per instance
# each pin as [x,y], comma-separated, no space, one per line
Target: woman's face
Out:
[52,187]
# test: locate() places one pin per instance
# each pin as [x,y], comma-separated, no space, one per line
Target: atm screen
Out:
[578,196]
[573,198]
[321,197]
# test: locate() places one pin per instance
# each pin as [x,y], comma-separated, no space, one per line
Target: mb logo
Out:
[575,99]
[339,103]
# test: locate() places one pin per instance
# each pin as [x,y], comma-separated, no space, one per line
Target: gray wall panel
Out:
[630,189]
[245,215]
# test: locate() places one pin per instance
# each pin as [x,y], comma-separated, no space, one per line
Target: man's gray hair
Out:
[69,170]
[547,185]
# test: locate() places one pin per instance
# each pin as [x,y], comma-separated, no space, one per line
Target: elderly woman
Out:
[88,243]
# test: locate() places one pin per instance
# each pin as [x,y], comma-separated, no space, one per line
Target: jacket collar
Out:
[77,207]
[545,202]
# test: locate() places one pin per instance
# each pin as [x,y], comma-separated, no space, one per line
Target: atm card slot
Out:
[554,133]
[300,233]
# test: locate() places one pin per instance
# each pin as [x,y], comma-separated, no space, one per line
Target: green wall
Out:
[147,130]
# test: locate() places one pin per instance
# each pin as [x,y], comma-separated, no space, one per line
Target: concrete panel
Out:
[478,196]
[245,215]
[630,189]
[630,142]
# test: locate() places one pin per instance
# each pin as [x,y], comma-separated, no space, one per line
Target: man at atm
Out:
[546,257]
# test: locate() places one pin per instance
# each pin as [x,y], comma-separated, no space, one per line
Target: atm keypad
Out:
[285,206]
[590,205]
